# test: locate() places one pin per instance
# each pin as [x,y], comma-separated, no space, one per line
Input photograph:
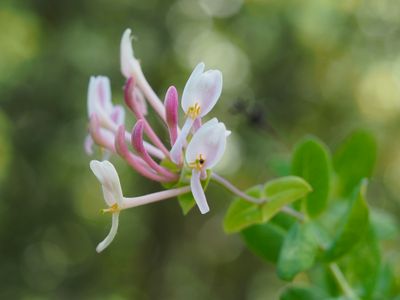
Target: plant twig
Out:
[230,187]
[341,280]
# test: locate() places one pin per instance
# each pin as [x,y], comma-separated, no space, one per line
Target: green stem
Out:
[233,189]
[341,280]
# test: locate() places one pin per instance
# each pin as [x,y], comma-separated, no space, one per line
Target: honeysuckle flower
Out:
[203,152]
[201,93]
[130,67]
[116,202]
[129,64]
[108,116]
[108,177]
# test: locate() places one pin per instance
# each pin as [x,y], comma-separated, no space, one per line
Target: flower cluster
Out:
[194,149]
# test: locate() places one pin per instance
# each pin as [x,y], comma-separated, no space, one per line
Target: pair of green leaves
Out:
[279,193]
[303,241]
[353,161]
[296,249]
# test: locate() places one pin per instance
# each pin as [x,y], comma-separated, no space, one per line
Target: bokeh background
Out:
[290,68]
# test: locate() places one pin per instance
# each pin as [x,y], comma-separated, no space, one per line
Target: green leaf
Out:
[281,192]
[355,160]
[385,287]
[311,161]
[353,225]
[187,201]
[303,293]
[298,251]
[362,264]
[242,214]
[321,276]
[265,240]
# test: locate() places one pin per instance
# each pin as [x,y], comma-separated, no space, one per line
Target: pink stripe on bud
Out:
[130,98]
[138,144]
[134,161]
[131,102]
[171,109]
[97,134]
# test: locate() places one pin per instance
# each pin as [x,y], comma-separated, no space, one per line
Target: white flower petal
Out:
[99,96]
[209,141]
[198,193]
[209,90]
[203,88]
[108,177]
[176,151]
[88,144]
[111,235]
[128,60]
[188,95]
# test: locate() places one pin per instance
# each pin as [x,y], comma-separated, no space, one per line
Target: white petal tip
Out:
[175,155]
[204,210]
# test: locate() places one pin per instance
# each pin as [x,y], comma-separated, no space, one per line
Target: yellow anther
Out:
[112,209]
[198,163]
[194,111]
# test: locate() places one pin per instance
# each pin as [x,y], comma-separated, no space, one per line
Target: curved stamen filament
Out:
[112,209]
[194,111]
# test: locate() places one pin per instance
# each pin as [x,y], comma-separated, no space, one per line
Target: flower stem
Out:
[341,280]
[154,197]
[151,96]
[233,189]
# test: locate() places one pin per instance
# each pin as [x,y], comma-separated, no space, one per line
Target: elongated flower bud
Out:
[130,98]
[138,144]
[133,160]
[102,137]
[171,108]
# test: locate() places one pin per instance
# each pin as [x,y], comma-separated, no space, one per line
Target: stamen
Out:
[194,111]
[112,209]
[198,163]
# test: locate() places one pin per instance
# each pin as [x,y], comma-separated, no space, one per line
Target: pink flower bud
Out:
[171,108]
[102,137]
[130,98]
[138,144]
[137,136]
[134,161]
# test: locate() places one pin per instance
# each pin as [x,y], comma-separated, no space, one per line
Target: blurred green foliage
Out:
[290,68]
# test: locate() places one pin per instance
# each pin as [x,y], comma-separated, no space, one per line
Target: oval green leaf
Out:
[281,192]
[242,214]
[355,160]
[311,161]
[353,225]
[298,251]
[265,240]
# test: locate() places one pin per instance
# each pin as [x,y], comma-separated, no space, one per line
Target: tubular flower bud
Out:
[171,109]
